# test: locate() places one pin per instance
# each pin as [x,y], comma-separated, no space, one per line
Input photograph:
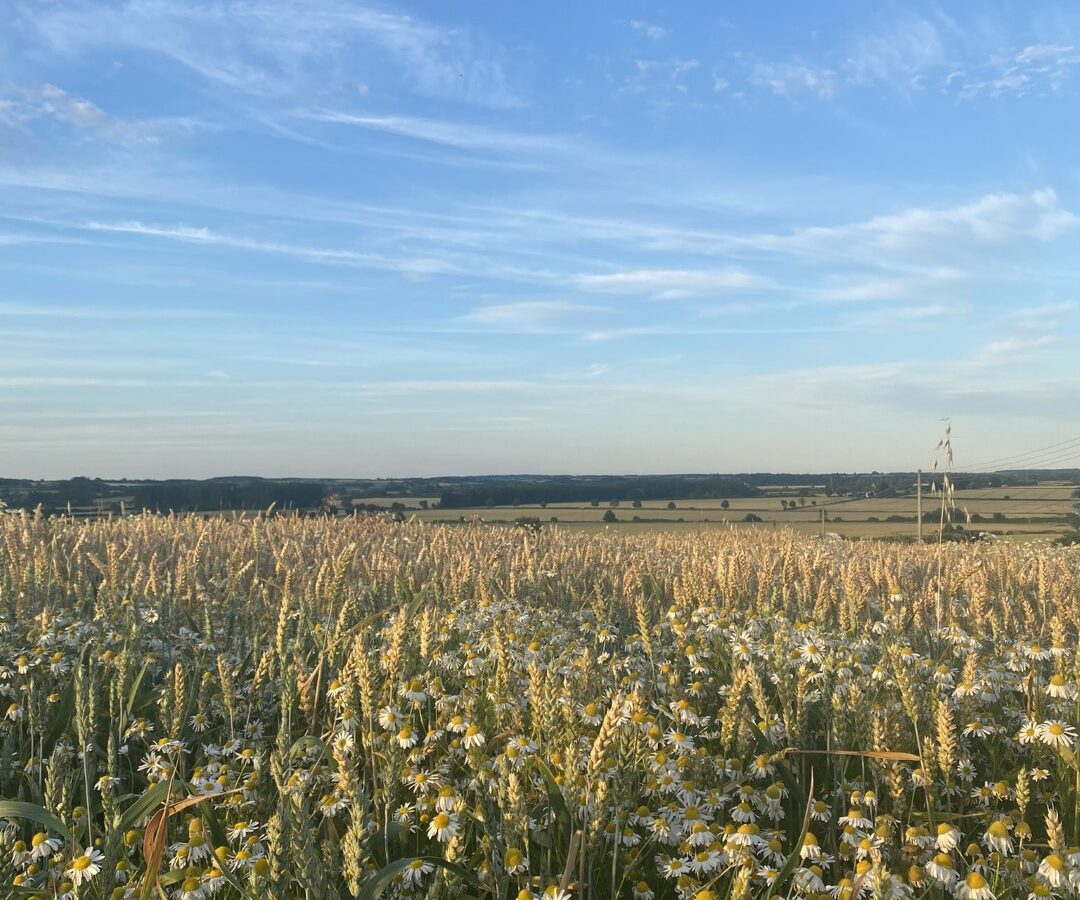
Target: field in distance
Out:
[1016,511]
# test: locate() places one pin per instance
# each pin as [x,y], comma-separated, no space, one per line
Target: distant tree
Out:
[594,503]
[751,517]
[423,504]
[613,503]
[609,516]
[802,500]
[724,504]
[636,504]
[671,504]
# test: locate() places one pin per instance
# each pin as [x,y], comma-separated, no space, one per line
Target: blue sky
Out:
[323,237]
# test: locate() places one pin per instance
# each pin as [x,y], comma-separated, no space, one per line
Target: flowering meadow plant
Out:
[290,707]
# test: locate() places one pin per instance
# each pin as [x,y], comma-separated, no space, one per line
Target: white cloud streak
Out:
[651,31]
[531,315]
[921,53]
[448,134]
[273,48]
[671,284]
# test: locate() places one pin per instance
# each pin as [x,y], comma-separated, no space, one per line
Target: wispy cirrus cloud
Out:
[914,53]
[906,387]
[892,317]
[459,135]
[26,107]
[531,315]
[861,289]
[1034,69]
[658,81]
[670,284]
[650,30]
[65,311]
[995,218]
[22,105]
[992,218]
[415,266]
[898,56]
[412,265]
[790,78]
[638,331]
[276,48]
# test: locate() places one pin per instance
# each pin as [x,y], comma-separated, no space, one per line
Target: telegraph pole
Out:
[918,504]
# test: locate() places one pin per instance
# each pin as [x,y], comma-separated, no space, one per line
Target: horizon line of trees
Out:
[593,491]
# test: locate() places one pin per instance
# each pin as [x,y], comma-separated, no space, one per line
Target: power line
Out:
[1041,462]
[1020,457]
[1052,462]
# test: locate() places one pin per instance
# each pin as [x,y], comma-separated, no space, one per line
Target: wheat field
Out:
[296,707]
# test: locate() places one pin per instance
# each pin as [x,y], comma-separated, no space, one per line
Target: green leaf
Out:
[790,781]
[309,740]
[14,809]
[373,887]
[378,840]
[220,840]
[556,799]
[147,804]
[62,721]
[793,860]
[134,691]
[415,602]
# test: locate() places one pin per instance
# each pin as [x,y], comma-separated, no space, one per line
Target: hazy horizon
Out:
[328,236]
[929,474]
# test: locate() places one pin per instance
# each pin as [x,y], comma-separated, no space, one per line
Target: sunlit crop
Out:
[287,707]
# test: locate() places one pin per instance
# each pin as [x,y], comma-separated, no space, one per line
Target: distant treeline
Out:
[211,495]
[586,490]
[243,492]
[88,494]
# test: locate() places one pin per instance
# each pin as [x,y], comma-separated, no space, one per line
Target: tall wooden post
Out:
[918,504]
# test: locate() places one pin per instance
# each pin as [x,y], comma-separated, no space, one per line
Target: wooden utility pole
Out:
[918,504]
